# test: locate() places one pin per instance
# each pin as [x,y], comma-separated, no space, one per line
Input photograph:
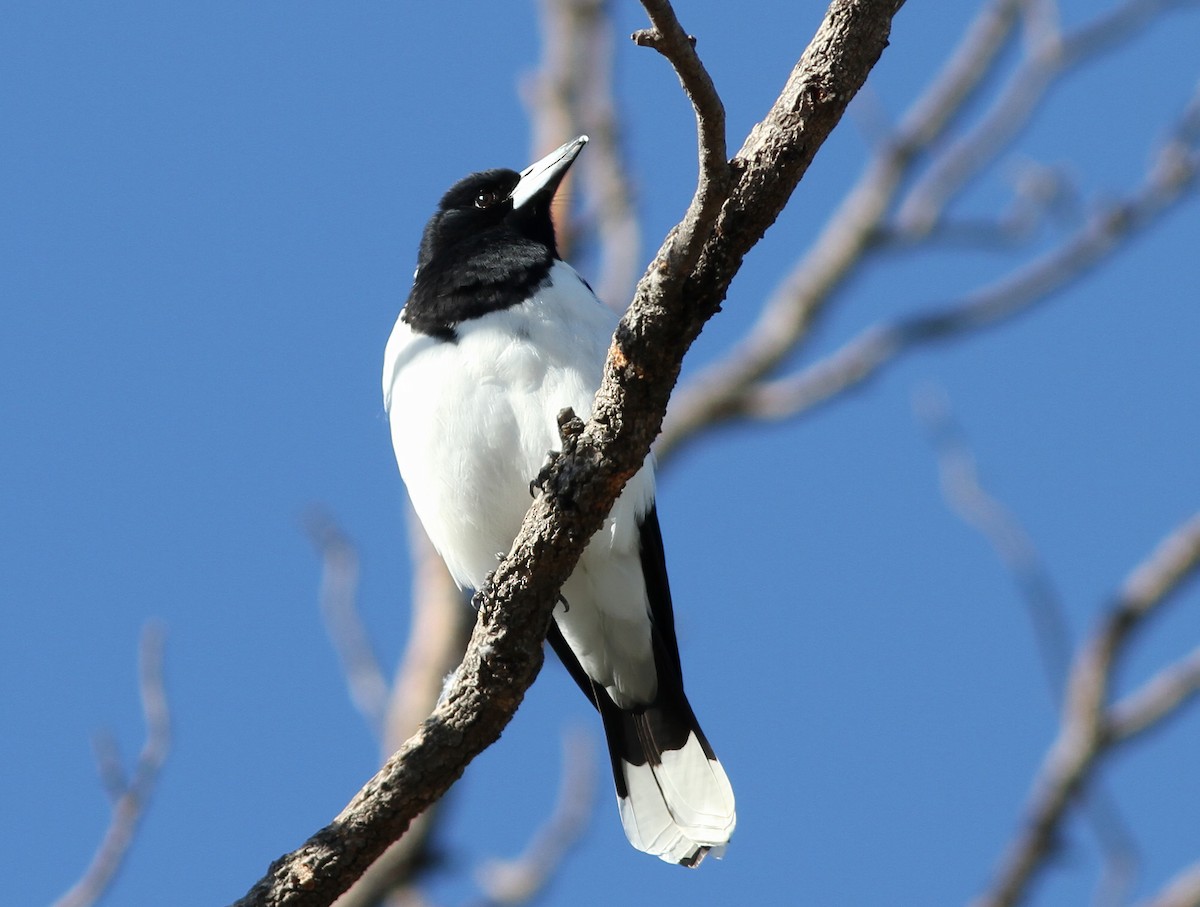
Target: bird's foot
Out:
[550,478]
[477,598]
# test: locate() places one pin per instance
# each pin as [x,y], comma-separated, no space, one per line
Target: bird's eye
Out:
[486,198]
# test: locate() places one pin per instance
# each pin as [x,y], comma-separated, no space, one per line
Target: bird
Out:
[498,335]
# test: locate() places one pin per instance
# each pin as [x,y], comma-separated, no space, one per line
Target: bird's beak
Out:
[541,180]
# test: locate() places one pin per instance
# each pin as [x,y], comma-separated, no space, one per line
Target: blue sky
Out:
[210,217]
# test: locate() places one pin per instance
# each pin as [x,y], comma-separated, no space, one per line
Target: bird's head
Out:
[499,207]
[489,245]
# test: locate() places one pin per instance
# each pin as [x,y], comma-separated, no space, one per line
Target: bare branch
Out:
[789,313]
[682,289]
[130,803]
[519,881]
[1172,177]
[439,627]
[722,391]
[1085,734]
[979,509]
[571,93]
[1165,693]
[1162,573]
[669,39]
[1182,891]
[1040,194]
[339,589]
[109,765]
[975,506]
[1049,56]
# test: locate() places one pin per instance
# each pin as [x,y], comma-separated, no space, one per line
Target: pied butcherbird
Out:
[498,335]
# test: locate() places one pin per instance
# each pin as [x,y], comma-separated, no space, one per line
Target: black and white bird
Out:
[498,335]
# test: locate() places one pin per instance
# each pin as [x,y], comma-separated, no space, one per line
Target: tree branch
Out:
[438,631]
[683,287]
[519,881]
[1172,177]
[1165,693]
[670,40]
[975,506]
[1182,891]
[1048,57]
[1086,732]
[132,796]
[736,386]
[966,496]
[339,588]
[572,92]
[802,295]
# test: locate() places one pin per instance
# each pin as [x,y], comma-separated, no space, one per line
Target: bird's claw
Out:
[541,480]
[477,598]
[550,479]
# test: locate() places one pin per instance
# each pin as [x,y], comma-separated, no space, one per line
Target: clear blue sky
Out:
[209,219]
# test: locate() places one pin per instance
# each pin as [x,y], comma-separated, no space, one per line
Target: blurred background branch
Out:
[1086,735]
[967,497]
[521,880]
[572,93]
[130,794]
[1181,891]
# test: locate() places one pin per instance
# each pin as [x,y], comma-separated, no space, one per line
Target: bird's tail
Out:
[673,795]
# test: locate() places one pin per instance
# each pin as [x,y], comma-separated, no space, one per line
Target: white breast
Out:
[473,422]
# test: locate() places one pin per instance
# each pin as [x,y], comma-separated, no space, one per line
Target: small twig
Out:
[1040,194]
[129,806]
[109,765]
[670,39]
[1170,564]
[967,497]
[1084,736]
[519,881]
[975,506]
[1163,694]
[339,588]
